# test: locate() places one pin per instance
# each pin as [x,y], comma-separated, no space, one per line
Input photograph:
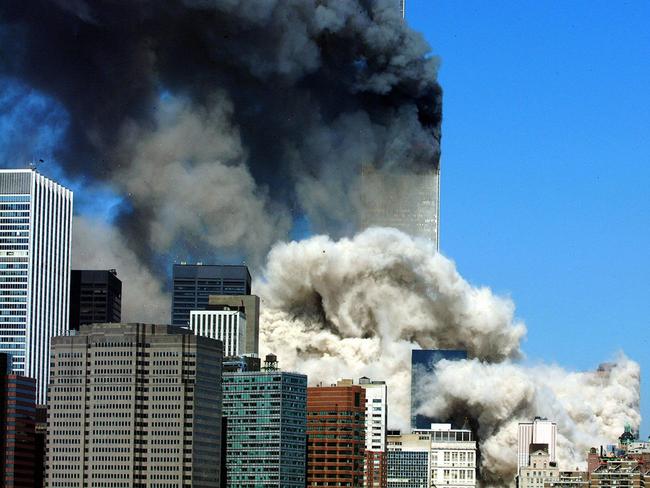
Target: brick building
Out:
[335,435]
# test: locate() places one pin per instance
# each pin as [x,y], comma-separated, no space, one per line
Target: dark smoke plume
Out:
[223,120]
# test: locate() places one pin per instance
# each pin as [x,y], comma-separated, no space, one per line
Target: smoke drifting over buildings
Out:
[358,306]
[220,122]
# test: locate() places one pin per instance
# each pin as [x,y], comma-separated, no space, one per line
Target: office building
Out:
[453,459]
[250,304]
[540,469]
[194,283]
[570,479]
[336,435]
[228,326]
[376,423]
[539,431]
[404,201]
[35,230]
[423,366]
[95,297]
[134,405]
[408,459]
[17,418]
[40,432]
[265,415]
[618,473]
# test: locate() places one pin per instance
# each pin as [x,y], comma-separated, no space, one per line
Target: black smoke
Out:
[303,92]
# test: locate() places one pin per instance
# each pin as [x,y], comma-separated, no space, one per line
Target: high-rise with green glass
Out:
[265,427]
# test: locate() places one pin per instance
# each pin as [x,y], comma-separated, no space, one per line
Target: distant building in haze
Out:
[18,461]
[376,423]
[36,218]
[265,419]
[194,283]
[95,297]
[338,413]
[423,365]
[134,405]
[538,432]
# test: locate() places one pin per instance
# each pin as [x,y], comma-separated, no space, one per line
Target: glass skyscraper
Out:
[423,364]
[35,235]
[194,283]
[266,428]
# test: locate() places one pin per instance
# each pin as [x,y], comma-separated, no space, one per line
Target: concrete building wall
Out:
[228,326]
[134,405]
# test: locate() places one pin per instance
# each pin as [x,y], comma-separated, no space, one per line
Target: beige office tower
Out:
[408,202]
[250,305]
[134,405]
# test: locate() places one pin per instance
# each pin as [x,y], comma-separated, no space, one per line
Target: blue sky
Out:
[546,167]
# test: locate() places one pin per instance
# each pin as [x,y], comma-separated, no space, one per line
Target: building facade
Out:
[539,431]
[453,459]
[408,460]
[35,236]
[194,283]
[95,297]
[423,366]
[134,405]
[404,201]
[18,462]
[376,424]
[540,470]
[250,305]
[265,414]
[336,435]
[228,326]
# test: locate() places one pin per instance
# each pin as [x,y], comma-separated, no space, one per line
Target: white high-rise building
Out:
[453,456]
[229,326]
[376,421]
[35,236]
[539,431]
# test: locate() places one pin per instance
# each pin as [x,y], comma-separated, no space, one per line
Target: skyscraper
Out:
[35,235]
[228,326]
[376,423]
[251,308]
[423,364]
[265,415]
[539,431]
[194,283]
[336,435]
[134,405]
[95,297]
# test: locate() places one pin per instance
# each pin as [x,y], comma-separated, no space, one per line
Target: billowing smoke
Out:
[358,307]
[221,121]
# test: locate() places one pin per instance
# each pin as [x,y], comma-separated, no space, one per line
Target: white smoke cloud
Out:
[98,245]
[358,307]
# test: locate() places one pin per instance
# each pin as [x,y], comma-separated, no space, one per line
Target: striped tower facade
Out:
[35,239]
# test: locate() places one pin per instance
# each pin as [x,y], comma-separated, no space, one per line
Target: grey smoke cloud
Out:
[296,95]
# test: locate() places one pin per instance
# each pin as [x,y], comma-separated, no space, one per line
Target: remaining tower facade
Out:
[336,435]
[265,413]
[134,405]
[194,283]
[95,297]
[35,236]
